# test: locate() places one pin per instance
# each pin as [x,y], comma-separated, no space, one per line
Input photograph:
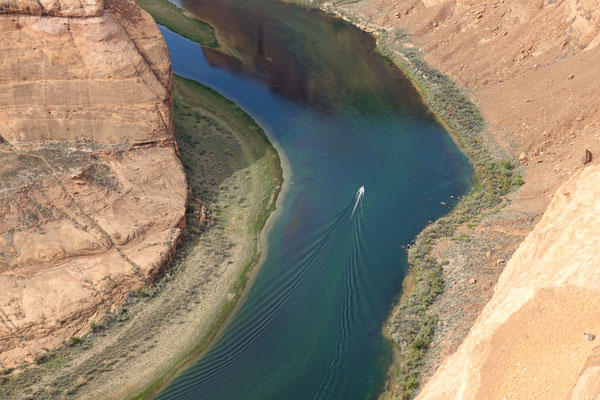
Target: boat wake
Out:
[359,196]
[331,252]
[349,293]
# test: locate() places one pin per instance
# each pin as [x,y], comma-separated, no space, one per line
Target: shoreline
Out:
[228,311]
[412,278]
[417,274]
[242,283]
[410,349]
[409,384]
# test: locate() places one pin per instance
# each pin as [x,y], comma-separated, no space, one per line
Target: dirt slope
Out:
[92,192]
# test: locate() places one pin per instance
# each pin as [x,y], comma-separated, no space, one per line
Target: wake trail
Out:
[248,335]
[348,297]
[359,195]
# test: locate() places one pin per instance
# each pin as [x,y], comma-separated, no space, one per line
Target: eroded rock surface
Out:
[56,8]
[92,192]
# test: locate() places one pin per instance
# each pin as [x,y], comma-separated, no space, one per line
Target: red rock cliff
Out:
[92,192]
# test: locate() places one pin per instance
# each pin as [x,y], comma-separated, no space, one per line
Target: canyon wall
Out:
[92,192]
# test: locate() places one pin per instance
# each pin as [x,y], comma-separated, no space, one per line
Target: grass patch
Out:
[463,237]
[181,22]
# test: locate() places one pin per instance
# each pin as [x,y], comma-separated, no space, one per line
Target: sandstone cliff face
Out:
[530,340]
[92,192]
[56,8]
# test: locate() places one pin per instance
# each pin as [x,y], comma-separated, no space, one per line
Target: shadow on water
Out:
[304,56]
[310,327]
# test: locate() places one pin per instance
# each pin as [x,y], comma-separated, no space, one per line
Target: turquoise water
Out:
[310,327]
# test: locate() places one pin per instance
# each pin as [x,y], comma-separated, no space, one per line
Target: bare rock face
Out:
[56,8]
[92,192]
[531,340]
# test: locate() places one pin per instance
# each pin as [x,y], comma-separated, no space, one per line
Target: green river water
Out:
[310,327]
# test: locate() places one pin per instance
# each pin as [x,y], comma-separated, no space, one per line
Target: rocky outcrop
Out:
[92,192]
[531,339]
[55,8]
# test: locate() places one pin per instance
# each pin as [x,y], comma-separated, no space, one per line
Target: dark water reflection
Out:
[304,55]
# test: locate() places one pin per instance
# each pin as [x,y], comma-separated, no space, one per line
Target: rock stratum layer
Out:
[92,192]
[531,342]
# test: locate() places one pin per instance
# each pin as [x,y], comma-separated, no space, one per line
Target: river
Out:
[310,326]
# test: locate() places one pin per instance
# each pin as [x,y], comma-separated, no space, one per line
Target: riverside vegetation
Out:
[411,325]
[234,175]
[185,24]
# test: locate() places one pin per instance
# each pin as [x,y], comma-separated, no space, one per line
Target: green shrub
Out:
[507,165]
[40,359]
[518,180]
[411,384]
